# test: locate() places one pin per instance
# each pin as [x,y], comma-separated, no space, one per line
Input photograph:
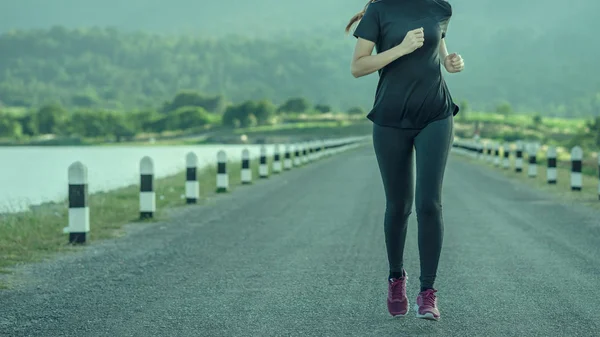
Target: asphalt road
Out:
[302,254]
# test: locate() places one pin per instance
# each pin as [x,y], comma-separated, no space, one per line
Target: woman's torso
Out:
[411,91]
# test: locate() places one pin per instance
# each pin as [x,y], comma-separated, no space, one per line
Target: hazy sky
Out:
[260,17]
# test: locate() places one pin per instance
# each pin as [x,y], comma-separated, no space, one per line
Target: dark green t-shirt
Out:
[411,92]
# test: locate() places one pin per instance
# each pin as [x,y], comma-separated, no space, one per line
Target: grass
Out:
[34,235]
[562,189]
[523,119]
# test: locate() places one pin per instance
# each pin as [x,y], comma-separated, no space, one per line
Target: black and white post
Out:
[276,159]
[489,152]
[263,168]
[192,186]
[551,173]
[222,176]
[147,195]
[519,157]
[79,211]
[576,166]
[532,155]
[287,159]
[304,153]
[496,154]
[311,151]
[297,153]
[506,155]
[246,172]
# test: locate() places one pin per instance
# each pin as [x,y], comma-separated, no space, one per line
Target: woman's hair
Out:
[357,17]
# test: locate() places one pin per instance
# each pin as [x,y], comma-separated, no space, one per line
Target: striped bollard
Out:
[576,164]
[489,152]
[532,154]
[276,159]
[322,149]
[287,159]
[192,186]
[304,153]
[79,211]
[496,154]
[297,155]
[519,157]
[147,195]
[551,174]
[484,150]
[222,176]
[246,173]
[263,169]
[506,154]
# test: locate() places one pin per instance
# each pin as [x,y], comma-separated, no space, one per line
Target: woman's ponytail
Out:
[357,17]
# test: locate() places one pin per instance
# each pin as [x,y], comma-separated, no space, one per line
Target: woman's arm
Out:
[364,63]
[443,51]
[453,63]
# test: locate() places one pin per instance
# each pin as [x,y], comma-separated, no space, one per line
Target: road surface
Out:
[302,254]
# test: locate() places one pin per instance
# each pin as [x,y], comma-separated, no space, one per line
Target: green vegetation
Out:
[188,113]
[109,69]
[564,134]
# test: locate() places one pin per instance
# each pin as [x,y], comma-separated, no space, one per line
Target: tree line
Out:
[187,111]
[110,69]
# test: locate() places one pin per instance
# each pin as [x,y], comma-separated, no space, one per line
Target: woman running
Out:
[412,108]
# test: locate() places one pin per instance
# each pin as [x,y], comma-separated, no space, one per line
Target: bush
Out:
[215,104]
[323,108]
[537,120]
[356,111]
[504,109]
[295,104]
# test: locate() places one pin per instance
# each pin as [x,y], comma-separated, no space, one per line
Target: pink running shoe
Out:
[397,301]
[426,306]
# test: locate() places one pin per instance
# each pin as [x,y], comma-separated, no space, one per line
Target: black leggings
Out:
[394,151]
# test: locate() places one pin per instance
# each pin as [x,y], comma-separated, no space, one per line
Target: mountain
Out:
[535,55]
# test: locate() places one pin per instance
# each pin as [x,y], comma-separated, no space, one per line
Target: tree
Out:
[247,114]
[356,111]
[294,105]
[85,100]
[51,119]
[9,126]
[264,111]
[537,120]
[504,109]
[214,104]
[187,117]
[323,108]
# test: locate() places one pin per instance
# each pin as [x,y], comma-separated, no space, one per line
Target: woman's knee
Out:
[429,208]
[401,208]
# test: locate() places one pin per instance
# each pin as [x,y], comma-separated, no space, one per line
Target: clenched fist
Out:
[413,40]
[454,63]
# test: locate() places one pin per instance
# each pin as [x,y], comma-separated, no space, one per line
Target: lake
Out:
[33,175]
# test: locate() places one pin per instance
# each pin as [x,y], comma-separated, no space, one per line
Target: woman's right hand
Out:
[412,41]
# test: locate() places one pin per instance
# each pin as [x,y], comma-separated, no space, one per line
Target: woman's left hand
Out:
[454,63]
